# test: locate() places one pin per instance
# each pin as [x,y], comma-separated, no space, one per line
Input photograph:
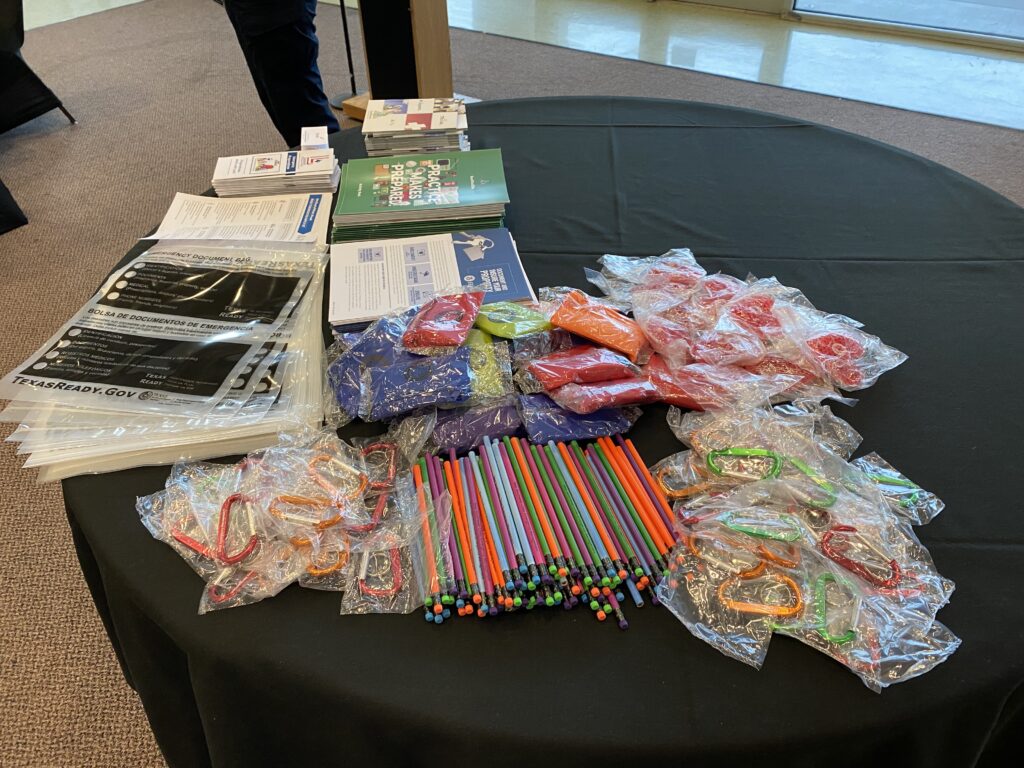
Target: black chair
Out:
[23,96]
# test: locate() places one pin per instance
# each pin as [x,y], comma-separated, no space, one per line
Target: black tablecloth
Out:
[926,258]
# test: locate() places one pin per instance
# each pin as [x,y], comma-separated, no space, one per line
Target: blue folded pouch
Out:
[378,345]
[419,382]
[544,420]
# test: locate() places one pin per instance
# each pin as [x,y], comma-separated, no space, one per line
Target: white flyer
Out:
[299,219]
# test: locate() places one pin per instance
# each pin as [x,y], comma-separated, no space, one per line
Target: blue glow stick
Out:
[499,545]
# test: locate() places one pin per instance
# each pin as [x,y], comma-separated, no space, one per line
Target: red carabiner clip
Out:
[219,552]
[854,566]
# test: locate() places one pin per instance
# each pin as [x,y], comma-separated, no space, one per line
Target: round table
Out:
[927,259]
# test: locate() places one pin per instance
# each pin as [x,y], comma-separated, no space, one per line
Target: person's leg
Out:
[280,45]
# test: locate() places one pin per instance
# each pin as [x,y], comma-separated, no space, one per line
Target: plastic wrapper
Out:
[698,386]
[619,275]
[465,428]
[381,581]
[585,316]
[528,348]
[588,398]
[843,354]
[906,499]
[443,323]
[753,561]
[728,343]
[544,420]
[509,320]
[579,365]
[277,565]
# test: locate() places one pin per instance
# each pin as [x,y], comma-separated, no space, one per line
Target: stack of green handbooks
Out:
[407,195]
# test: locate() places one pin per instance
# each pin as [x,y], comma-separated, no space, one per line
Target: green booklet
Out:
[411,187]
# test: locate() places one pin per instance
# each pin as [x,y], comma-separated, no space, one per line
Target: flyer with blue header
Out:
[375,277]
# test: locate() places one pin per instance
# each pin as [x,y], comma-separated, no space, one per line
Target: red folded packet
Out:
[592,320]
[587,398]
[580,365]
[699,386]
[443,322]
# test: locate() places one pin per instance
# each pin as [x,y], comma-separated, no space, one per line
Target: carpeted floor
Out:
[160,89]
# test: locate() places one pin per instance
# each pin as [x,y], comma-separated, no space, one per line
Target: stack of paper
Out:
[408,126]
[300,221]
[411,195]
[375,278]
[276,173]
[184,353]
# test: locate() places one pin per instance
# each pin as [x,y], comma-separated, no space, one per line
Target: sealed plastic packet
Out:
[619,275]
[408,385]
[509,320]
[588,398]
[464,428]
[528,348]
[443,323]
[906,499]
[583,364]
[699,386]
[544,420]
[491,367]
[586,316]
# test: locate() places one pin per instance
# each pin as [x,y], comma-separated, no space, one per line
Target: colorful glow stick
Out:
[569,543]
[663,503]
[619,556]
[640,499]
[499,545]
[537,512]
[530,550]
[640,544]
[508,524]
[520,508]
[609,545]
[583,518]
[590,557]
[642,517]
[463,532]
[474,540]
[603,507]
[546,512]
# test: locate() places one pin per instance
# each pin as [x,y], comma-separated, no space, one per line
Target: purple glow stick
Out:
[552,519]
[655,501]
[569,517]
[538,553]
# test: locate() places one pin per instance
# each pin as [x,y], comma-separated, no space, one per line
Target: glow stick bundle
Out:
[554,524]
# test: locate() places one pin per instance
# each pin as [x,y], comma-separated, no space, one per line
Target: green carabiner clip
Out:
[819,481]
[773,471]
[897,481]
[821,611]
[760,533]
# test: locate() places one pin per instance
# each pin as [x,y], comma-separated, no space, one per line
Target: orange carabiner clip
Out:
[362,480]
[304,501]
[763,609]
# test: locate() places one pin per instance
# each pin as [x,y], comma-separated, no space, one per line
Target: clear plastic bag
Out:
[906,499]
[699,386]
[588,398]
[619,275]
[544,420]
